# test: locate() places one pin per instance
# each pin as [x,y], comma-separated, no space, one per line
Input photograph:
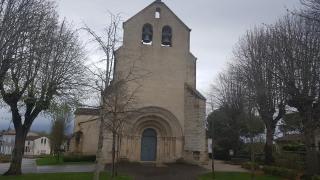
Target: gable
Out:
[153,6]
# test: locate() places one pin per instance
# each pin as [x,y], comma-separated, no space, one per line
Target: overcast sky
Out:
[216,27]
[216,24]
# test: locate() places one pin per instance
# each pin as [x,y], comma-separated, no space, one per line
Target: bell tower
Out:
[171,125]
[156,41]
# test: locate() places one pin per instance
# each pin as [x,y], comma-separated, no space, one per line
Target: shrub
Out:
[49,160]
[79,158]
[247,165]
[294,147]
[316,178]
[220,154]
[5,159]
[285,159]
[279,171]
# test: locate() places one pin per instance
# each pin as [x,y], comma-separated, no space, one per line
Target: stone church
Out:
[172,127]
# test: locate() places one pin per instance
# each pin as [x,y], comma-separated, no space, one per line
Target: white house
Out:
[34,144]
[7,142]
[37,146]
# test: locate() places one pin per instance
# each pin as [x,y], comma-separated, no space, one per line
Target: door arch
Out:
[149,145]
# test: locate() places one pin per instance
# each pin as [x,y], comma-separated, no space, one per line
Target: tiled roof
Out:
[32,138]
[13,132]
[9,132]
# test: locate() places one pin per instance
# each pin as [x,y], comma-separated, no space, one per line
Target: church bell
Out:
[166,40]
[147,33]
[147,38]
[166,36]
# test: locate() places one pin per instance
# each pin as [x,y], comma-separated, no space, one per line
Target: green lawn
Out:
[61,176]
[50,160]
[235,176]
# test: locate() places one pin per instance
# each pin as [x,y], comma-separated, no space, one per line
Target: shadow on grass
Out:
[62,176]
[236,176]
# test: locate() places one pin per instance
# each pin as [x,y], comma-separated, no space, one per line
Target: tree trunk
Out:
[312,163]
[252,159]
[99,164]
[309,128]
[212,151]
[269,145]
[113,153]
[118,155]
[17,153]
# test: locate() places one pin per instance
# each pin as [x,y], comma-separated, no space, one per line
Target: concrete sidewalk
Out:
[224,167]
[137,170]
[29,166]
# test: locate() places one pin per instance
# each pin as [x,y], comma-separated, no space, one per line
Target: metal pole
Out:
[212,150]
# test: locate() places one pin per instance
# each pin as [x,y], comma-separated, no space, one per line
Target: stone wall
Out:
[195,146]
[164,70]
[87,125]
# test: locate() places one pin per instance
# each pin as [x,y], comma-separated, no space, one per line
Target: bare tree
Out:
[44,66]
[102,78]
[17,20]
[117,89]
[311,11]
[237,102]
[61,117]
[298,44]
[230,95]
[258,61]
[120,106]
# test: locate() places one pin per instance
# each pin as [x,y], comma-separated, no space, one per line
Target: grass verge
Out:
[236,176]
[52,160]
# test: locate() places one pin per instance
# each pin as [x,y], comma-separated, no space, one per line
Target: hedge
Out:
[247,165]
[5,159]
[316,178]
[79,158]
[279,171]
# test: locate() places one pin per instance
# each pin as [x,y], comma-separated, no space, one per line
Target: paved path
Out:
[137,170]
[65,168]
[224,167]
[29,166]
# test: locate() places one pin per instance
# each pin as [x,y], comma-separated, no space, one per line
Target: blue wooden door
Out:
[149,145]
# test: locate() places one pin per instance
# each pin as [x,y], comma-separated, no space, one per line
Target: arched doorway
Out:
[149,145]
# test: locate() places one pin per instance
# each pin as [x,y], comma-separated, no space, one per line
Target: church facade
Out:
[172,125]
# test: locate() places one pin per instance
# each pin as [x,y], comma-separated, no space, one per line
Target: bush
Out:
[278,171]
[49,160]
[316,178]
[220,154]
[5,159]
[79,158]
[285,159]
[294,147]
[247,165]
